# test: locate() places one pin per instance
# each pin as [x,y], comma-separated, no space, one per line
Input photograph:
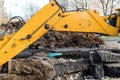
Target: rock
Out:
[107,56]
[24,77]
[67,66]
[34,67]
[71,76]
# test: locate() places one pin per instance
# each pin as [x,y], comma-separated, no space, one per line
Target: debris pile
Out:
[39,67]
[54,39]
[12,25]
[44,69]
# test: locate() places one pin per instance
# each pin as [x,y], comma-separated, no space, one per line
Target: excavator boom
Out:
[30,32]
[51,17]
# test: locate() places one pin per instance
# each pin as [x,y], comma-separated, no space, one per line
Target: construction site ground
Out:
[83,53]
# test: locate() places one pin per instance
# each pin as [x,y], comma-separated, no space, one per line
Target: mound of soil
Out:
[54,39]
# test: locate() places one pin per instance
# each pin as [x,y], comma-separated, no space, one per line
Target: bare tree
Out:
[114,3]
[9,15]
[30,11]
[107,6]
[78,4]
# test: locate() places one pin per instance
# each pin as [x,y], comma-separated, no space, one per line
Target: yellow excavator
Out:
[54,17]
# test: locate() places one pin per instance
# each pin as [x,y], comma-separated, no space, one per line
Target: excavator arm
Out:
[51,17]
[36,27]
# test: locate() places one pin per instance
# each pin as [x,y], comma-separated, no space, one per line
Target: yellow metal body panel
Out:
[107,17]
[118,21]
[85,21]
[48,18]
[5,39]
[34,27]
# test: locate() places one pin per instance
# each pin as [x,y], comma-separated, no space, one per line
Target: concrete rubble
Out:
[34,64]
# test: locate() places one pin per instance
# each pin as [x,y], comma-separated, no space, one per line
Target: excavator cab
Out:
[118,18]
[113,19]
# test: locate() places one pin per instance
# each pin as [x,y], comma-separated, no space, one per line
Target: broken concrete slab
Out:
[28,67]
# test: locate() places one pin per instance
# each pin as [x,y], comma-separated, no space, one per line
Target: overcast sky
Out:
[16,7]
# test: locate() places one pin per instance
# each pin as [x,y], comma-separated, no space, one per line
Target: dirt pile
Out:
[12,25]
[54,39]
[37,69]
